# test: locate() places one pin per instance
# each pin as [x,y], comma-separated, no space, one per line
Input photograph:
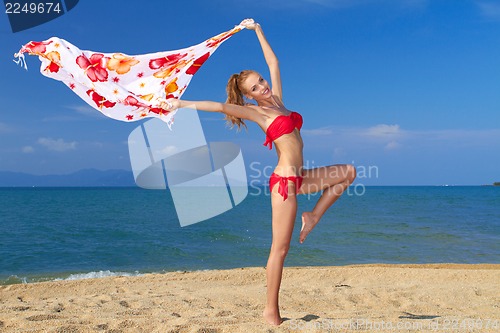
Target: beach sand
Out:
[365,298]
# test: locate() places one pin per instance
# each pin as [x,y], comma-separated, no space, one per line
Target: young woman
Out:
[282,127]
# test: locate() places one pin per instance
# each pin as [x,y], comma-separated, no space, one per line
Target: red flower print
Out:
[166,61]
[54,58]
[158,110]
[121,63]
[171,87]
[147,97]
[141,74]
[167,65]
[99,100]
[37,47]
[53,67]
[129,117]
[197,64]
[116,79]
[182,89]
[132,101]
[214,41]
[95,67]
[72,86]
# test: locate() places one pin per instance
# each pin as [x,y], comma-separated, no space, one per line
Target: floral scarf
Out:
[123,87]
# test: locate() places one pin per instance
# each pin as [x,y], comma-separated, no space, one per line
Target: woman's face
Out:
[255,87]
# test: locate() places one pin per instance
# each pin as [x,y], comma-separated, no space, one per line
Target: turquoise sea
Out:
[70,233]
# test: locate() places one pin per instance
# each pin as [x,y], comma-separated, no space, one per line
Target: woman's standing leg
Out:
[333,180]
[283,219]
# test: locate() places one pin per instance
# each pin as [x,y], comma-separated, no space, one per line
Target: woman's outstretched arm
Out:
[244,112]
[269,55]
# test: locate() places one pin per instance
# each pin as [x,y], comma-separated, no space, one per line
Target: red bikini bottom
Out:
[283,189]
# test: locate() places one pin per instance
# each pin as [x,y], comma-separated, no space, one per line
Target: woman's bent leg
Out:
[333,181]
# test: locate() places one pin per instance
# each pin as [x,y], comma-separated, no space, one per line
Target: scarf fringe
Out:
[20,60]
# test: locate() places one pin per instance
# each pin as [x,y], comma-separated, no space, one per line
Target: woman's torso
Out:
[288,146]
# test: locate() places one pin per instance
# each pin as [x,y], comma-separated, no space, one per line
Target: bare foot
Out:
[272,317]
[309,221]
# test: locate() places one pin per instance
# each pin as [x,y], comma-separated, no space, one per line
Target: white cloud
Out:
[338,3]
[384,136]
[387,133]
[354,3]
[383,130]
[28,149]
[60,118]
[458,135]
[339,152]
[392,145]
[318,131]
[167,151]
[4,128]
[58,145]
[335,4]
[394,138]
[489,9]
[85,109]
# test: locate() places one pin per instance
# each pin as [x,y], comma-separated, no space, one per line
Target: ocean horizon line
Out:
[123,178]
[253,185]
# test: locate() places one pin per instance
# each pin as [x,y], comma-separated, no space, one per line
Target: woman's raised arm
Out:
[269,56]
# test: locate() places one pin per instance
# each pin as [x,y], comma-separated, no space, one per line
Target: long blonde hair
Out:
[235,96]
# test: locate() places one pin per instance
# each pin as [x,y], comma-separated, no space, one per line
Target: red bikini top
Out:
[282,125]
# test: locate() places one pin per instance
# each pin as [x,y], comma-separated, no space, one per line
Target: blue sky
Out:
[409,89]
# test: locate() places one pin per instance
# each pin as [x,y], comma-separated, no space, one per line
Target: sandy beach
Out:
[384,298]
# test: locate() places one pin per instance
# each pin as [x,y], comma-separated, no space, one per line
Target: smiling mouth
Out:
[265,91]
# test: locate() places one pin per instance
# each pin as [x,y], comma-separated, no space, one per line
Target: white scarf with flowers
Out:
[123,87]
